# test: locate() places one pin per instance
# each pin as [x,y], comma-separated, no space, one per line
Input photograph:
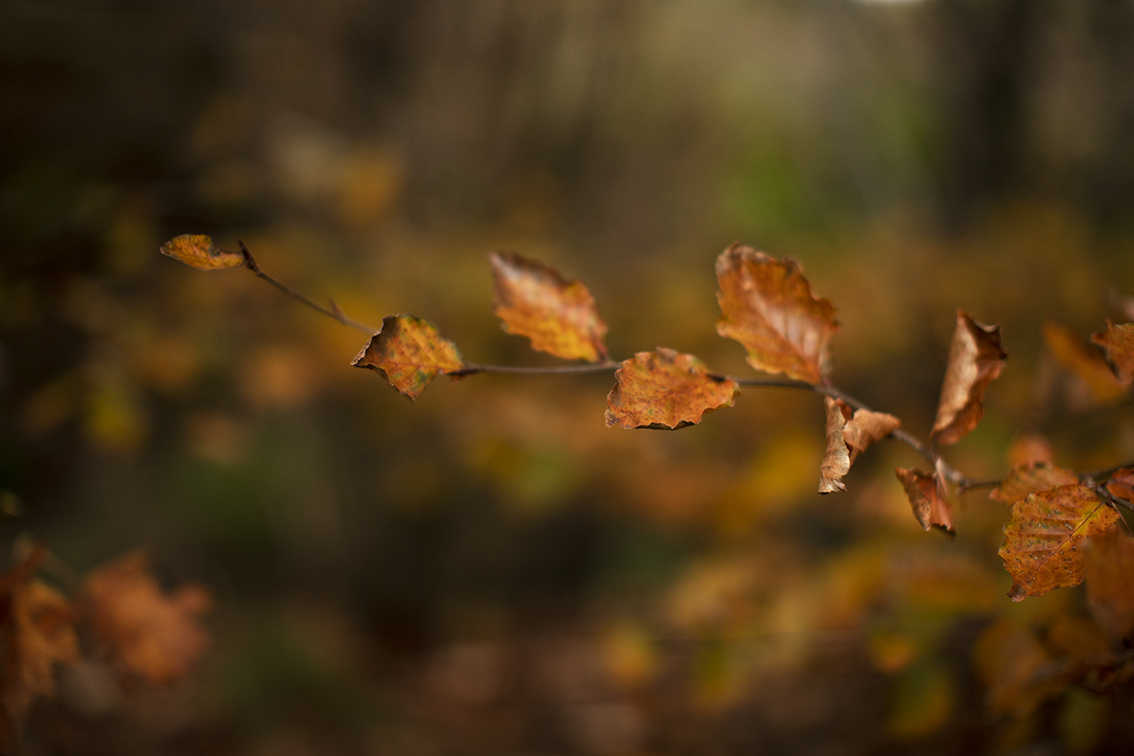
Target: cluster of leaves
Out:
[119,615]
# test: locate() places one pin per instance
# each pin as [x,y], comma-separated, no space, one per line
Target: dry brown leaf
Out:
[1117,341]
[848,434]
[145,632]
[1030,447]
[975,360]
[200,252]
[1110,589]
[665,389]
[1028,478]
[409,352]
[1121,484]
[559,316]
[926,493]
[1083,362]
[767,306]
[1045,538]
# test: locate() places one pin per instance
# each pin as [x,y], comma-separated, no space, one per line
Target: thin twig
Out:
[472,368]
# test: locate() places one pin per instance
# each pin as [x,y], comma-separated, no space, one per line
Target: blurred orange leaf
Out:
[975,360]
[1086,364]
[926,493]
[1028,478]
[409,352]
[1017,669]
[1117,341]
[199,251]
[1121,484]
[559,316]
[767,306]
[1110,590]
[1046,537]
[146,632]
[849,432]
[665,389]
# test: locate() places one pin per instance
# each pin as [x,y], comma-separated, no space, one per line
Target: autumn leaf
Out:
[926,494]
[559,316]
[975,360]
[1046,536]
[145,632]
[409,352]
[1117,341]
[199,251]
[1121,484]
[1079,359]
[767,306]
[665,389]
[1109,565]
[848,434]
[1028,478]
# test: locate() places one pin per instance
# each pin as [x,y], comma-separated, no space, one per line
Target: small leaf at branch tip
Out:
[849,433]
[926,494]
[665,389]
[199,251]
[1046,535]
[1117,342]
[409,352]
[558,315]
[767,306]
[975,360]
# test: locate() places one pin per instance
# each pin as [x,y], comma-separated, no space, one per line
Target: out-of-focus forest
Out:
[491,570]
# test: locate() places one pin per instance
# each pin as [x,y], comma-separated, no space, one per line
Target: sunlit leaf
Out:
[975,360]
[1109,577]
[200,252]
[1028,478]
[1117,341]
[767,306]
[1046,537]
[849,432]
[926,493]
[559,316]
[409,352]
[665,389]
[1086,364]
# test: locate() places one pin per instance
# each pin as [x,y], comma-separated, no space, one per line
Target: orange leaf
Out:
[1118,343]
[1086,364]
[1046,536]
[558,315]
[199,251]
[665,389]
[409,352]
[1121,484]
[926,492]
[1107,574]
[1028,478]
[153,635]
[767,306]
[848,435]
[975,360]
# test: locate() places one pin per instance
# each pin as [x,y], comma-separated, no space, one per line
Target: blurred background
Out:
[490,570]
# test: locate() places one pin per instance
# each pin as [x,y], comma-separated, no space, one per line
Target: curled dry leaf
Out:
[199,251]
[767,306]
[410,352]
[926,493]
[1109,565]
[1046,536]
[558,315]
[1117,341]
[1083,362]
[975,360]
[1028,478]
[145,632]
[849,432]
[665,389]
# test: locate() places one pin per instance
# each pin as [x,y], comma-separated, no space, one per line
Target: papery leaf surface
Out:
[926,494]
[200,252]
[849,432]
[1117,341]
[409,352]
[558,315]
[975,360]
[1076,356]
[767,306]
[1046,535]
[1109,577]
[665,389]
[1028,478]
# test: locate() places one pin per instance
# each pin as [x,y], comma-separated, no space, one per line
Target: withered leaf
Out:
[849,432]
[1117,341]
[1121,484]
[1083,362]
[1046,536]
[1110,589]
[768,307]
[559,316]
[926,494]
[1028,478]
[145,632]
[665,389]
[975,360]
[200,252]
[409,352]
